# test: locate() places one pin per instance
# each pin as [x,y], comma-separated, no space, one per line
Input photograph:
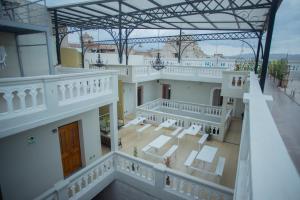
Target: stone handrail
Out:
[265,169]
[136,73]
[166,183]
[47,95]
[156,117]
[183,106]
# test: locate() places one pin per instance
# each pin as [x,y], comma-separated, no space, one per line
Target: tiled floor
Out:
[228,149]
[286,114]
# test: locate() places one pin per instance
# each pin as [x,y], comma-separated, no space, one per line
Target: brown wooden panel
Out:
[70,148]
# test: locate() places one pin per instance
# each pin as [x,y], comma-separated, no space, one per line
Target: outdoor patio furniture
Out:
[202,140]
[176,131]
[135,121]
[170,152]
[190,159]
[166,124]
[220,168]
[206,155]
[144,128]
[159,142]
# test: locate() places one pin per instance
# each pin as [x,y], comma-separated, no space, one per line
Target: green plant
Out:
[208,131]
[167,161]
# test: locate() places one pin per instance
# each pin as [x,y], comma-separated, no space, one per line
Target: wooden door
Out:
[217,98]
[166,91]
[140,95]
[70,148]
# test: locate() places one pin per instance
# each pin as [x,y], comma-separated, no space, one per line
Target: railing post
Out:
[113,115]
[159,176]
[61,189]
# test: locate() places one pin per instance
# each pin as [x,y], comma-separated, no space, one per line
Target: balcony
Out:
[133,74]
[154,179]
[213,120]
[29,102]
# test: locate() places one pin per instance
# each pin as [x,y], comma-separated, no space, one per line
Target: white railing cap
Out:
[4,81]
[273,174]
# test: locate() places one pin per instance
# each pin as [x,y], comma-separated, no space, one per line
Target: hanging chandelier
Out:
[99,62]
[157,63]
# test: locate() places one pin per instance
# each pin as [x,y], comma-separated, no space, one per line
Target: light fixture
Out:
[157,63]
[99,62]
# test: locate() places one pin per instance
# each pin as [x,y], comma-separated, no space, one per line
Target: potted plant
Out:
[208,131]
[167,161]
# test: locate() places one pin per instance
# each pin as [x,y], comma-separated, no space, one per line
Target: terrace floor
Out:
[228,149]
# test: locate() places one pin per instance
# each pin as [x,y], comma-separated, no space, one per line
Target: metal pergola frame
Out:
[119,18]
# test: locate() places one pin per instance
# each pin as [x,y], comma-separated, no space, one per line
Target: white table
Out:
[159,142]
[192,130]
[207,154]
[166,124]
[135,121]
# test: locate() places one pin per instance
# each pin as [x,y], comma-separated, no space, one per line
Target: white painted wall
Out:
[34,58]
[12,64]
[189,91]
[27,170]
[151,90]
[129,91]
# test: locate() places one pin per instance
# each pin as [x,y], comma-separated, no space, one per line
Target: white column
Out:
[113,114]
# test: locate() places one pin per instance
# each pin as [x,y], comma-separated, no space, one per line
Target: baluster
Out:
[8,97]
[33,93]
[72,191]
[63,90]
[21,95]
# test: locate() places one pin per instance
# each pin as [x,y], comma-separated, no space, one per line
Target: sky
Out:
[286,34]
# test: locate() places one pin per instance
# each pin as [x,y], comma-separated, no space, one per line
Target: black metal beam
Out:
[120,33]
[271,21]
[179,46]
[57,39]
[82,49]
[160,13]
[194,37]
[257,52]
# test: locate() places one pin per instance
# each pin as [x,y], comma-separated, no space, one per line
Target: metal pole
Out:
[179,47]
[57,38]
[268,44]
[49,51]
[126,46]
[257,52]
[120,33]
[19,56]
[82,49]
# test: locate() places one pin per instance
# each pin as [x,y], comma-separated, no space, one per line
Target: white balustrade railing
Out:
[81,182]
[165,183]
[174,105]
[265,169]
[193,188]
[157,117]
[135,167]
[47,95]
[136,73]
[19,98]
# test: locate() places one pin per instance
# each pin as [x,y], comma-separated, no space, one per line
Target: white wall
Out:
[129,92]
[27,170]
[151,90]
[189,91]
[12,68]
[34,58]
